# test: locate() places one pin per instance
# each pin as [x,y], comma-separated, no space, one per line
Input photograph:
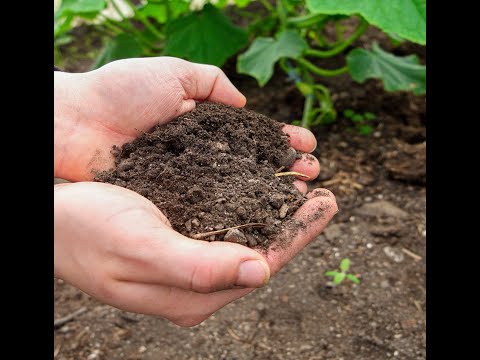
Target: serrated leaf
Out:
[331,273]
[345,265]
[397,73]
[353,278]
[259,60]
[406,18]
[205,36]
[79,7]
[338,278]
[122,46]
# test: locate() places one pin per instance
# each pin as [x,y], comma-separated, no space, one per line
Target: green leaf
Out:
[395,39]
[123,46]
[353,278]
[369,116]
[348,113]
[331,273]
[338,278]
[305,89]
[357,118]
[397,73]
[345,265]
[242,3]
[406,18]
[205,36]
[79,7]
[259,60]
[365,130]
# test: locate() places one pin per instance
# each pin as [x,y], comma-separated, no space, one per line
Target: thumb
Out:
[171,259]
[208,82]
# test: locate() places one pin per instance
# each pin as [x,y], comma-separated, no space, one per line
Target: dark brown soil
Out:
[213,169]
[299,315]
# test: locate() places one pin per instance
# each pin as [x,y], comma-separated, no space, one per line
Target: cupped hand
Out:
[118,247]
[116,103]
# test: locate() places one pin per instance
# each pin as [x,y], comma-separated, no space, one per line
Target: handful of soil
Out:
[213,169]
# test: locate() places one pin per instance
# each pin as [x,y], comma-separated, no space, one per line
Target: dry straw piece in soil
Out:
[213,169]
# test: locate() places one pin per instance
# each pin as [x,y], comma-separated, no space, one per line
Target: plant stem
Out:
[267,5]
[306,21]
[339,31]
[120,27]
[282,13]
[319,71]
[143,19]
[117,10]
[307,108]
[342,46]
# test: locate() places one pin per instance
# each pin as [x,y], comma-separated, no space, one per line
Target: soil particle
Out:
[212,169]
[407,162]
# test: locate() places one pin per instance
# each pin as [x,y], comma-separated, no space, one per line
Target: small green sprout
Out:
[339,276]
[360,121]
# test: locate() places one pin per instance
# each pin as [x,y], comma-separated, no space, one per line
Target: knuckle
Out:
[202,279]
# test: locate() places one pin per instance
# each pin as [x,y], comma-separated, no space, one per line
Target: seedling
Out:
[290,33]
[339,276]
[360,121]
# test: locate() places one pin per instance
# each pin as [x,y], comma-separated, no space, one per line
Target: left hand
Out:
[115,103]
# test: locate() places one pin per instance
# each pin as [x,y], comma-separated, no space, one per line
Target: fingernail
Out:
[253,273]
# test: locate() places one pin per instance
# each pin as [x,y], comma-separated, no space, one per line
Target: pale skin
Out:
[115,244]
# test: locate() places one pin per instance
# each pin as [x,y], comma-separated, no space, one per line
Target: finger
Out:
[208,82]
[311,217]
[183,307]
[307,165]
[163,256]
[301,186]
[300,138]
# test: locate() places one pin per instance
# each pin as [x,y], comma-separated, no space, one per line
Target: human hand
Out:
[115,103]
[108,240]
[118,247]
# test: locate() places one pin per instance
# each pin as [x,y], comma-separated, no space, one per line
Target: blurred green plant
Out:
[290,33]
[339,276]
[361,121]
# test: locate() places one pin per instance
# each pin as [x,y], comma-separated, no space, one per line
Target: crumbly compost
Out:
[213,169]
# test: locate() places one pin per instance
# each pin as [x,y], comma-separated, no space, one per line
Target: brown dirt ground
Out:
[379,184]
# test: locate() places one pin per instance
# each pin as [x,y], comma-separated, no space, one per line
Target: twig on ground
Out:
[412,255]
[215,232]
[62,321]
[234,335]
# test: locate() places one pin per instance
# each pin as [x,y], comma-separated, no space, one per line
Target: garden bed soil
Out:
[213,169]
[380,227]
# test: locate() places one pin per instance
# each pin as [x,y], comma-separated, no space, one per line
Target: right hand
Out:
[118,247]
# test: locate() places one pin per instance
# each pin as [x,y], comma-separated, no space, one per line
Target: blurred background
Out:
[357,80]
